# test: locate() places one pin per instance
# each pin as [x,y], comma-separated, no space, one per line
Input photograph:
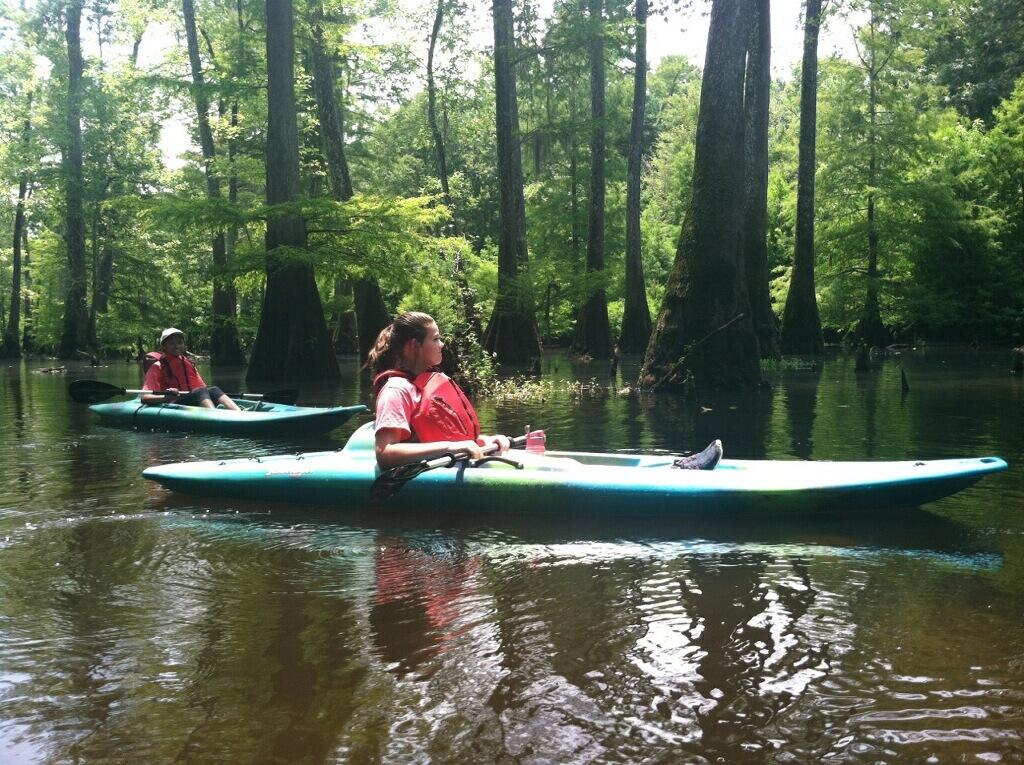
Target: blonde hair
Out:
[386,351]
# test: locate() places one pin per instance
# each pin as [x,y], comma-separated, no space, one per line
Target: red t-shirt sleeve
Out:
[395,406]
[152,381]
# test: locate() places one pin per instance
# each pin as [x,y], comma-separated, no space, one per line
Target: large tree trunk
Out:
[331,135]
[225,346]
[102,277]
[10,348]
[27,339]
[345,332]
[76,317]
[292,342]
[703,340]
[755,217]
[593,334]
[512,331]
[636,318]
[801,323]
[371,314]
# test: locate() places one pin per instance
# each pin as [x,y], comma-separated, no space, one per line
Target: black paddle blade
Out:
[390,482]
[92,391]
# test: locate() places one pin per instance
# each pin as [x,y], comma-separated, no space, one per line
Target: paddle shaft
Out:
[450,459]
[94,391]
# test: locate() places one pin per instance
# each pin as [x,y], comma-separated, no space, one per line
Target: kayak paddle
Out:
[94,391]
[391,481]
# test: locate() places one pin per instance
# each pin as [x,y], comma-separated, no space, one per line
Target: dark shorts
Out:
[199,395]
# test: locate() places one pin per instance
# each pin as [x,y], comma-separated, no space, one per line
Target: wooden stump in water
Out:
[861,364]
[1017,366]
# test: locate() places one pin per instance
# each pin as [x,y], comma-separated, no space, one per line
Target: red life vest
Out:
[444,413]
[177,372]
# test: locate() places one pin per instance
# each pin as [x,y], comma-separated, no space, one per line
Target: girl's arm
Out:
[392,451]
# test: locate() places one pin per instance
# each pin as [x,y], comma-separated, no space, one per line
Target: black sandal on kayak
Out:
[705,460]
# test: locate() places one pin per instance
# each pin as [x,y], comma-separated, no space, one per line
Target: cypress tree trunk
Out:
[10,348]
[292,341]
[440,155]
[331,136]
[703,340]
[870,329]
[225,346]
[76,317]
[470,313]
[636,319]
[512,331]
[27,339]
[371,314]
[103,274]
[345,332]
[755,218]
[593,334]
[801,323]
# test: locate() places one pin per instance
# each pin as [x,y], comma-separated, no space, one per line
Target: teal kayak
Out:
[576,483]
[255,419]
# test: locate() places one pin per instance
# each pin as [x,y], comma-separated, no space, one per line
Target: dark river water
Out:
[139,626]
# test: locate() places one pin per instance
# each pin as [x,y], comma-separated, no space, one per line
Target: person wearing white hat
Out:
[174,373]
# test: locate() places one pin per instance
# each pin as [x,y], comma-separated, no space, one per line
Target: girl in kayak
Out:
[421,413]
[175,373]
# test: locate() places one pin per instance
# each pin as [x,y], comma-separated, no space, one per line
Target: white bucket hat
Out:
[169,332]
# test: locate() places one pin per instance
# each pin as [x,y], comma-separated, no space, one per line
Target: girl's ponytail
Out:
[411,325]
[379,357]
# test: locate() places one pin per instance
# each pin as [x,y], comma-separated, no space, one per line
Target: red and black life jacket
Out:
[175,371]
[444,413]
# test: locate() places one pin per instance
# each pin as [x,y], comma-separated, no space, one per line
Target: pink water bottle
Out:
[535,440]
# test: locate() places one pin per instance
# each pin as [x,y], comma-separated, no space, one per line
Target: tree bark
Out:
[344,330]
[755,217]
[76,317]
[103,274]
[292,342]
[331,135]
[636,318]
[593,333]
[470,314]
[440,155]
[512,331]
[27,339]
[10,348]
[801,323]
[703,340]
[225,346]
[371,313]
[870,329]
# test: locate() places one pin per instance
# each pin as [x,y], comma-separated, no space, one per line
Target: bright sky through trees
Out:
[678,32]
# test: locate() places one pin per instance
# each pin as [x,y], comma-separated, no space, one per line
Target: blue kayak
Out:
[578,483]
[255,418]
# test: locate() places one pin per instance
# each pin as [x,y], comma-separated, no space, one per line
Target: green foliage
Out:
[946,191]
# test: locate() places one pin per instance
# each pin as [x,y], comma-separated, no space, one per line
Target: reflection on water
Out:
[136,625]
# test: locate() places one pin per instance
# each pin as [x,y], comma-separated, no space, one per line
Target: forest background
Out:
[397,196]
